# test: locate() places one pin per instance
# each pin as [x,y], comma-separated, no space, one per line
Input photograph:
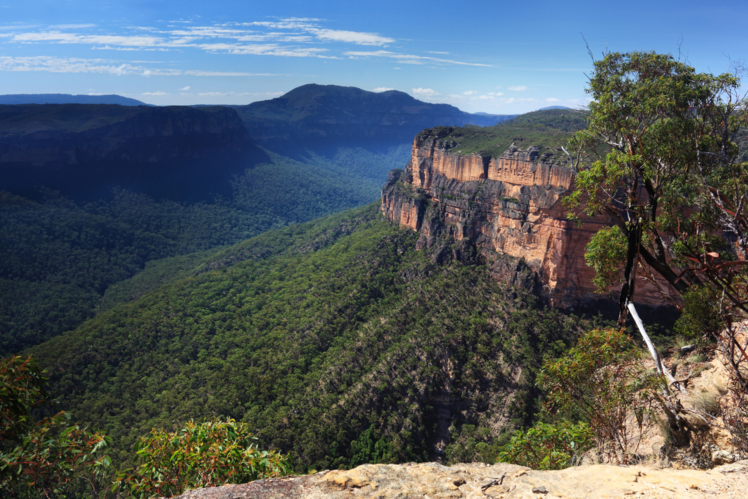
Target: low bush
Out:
[209,454]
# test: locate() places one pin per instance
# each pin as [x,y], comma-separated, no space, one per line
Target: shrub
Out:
[548,447]
[601,378]
[199,455]
[42,457]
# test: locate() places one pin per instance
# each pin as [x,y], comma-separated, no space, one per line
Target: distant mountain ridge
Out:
[84,149]
[13,99]
[313,115]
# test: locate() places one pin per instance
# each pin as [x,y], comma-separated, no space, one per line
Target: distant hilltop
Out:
[69,99]
[312,115]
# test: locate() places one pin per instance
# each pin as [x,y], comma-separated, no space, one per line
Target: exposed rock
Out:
[431,480]
[722,457]
[508,206]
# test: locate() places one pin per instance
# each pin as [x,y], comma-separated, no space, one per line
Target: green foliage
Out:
[209,454]
[368,449]
[494,141]
[606,253]
[700,315]
[547,129]
[566,120]
[601,378]
[351,329]
[58,258]
[548,446]
[472,444]
[44,457]
[660,138]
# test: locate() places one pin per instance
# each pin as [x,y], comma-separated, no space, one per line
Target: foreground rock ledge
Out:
[431,480]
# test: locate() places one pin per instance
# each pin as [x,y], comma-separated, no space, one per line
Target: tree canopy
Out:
[660,157]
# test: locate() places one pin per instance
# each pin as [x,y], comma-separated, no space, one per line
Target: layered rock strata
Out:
[509,207]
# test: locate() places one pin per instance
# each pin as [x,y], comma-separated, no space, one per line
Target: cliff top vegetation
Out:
[548,129]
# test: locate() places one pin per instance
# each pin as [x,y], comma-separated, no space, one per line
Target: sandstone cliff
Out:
[509,208]
[480,481]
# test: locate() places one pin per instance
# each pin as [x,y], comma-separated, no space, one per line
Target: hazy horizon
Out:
[481,57]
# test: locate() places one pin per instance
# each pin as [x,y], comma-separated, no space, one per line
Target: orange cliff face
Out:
[510,206]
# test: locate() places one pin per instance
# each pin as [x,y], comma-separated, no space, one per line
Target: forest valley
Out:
[154,346]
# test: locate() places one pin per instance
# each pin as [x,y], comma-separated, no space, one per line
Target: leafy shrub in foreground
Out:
[199,455]
[44,457]
[548,447]
[602,378]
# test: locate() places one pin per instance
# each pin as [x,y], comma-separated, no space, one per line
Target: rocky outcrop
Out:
[479,481]
[176,151]
[510,207]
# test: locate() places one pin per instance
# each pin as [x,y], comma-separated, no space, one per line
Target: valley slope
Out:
[336,340]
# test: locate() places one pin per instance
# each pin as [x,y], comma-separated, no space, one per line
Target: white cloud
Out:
[435,52]
[425,92]
[382,89]
[408,59]
[159,93]
[59,37]
[72,26]
[240,94]
[358,38]
[66,65]
[469,92]
[518,88]
[76,65]
[184,89]
[552,99]
[222,73]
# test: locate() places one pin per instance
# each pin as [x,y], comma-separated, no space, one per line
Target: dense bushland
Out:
[352,347]
[58,257]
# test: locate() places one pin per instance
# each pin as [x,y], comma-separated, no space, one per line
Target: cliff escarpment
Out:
[153,149]
[508,208]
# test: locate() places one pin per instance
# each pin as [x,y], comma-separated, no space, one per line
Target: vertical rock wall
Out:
[508,207]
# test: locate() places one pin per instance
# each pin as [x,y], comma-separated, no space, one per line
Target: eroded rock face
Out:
[478,481]
[509,206]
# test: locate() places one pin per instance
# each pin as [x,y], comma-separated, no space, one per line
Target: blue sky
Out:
[490,56]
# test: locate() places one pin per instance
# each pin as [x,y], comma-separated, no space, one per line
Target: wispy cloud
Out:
[552,99]
[382,89]
[66,65]
[78,65]
[351,37]
[158,94]
[72,26]
[184,89]
[408,58]
[518,88]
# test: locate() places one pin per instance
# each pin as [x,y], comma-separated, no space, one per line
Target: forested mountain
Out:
[93,193]
[322,117]
[335,340]
[69,99]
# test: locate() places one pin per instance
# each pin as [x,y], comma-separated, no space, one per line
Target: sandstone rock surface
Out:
[473,481]
[510,205]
